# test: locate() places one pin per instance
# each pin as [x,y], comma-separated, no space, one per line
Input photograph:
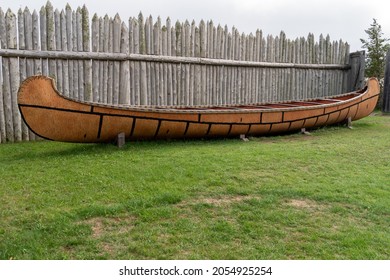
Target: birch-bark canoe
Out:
[54,116]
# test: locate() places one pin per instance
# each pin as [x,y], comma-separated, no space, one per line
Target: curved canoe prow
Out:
[371,94]
[52,116]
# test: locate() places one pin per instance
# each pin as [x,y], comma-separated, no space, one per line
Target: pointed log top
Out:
[9,13]
[124,27]
[134,21]
[49,5]
[85,11]
[42,11]
[117,18]
[68,7]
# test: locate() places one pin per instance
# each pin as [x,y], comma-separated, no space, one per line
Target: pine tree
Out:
[377,48]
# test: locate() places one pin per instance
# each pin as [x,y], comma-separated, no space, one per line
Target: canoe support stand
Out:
[304,131]
[349,123]
[243,138]
[120,140]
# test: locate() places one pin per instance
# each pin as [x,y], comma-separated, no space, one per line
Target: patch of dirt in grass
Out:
[305,204]
[96,225]
[288,137]
[106,229]
[105,225]
[218,201]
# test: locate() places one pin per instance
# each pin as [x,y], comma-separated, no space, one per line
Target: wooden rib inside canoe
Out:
[53,116]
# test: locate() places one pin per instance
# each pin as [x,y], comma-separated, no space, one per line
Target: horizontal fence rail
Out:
[164,59]
[147,62]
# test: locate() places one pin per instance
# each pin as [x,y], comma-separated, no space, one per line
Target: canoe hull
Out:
[52,116]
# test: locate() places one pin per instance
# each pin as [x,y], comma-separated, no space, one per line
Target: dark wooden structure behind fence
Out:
[147,62]
[386,86]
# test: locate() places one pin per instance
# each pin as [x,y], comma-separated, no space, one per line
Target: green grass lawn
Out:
[324,196]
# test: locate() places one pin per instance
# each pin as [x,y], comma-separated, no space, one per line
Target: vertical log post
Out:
[386,88]
[86,39]
[124,87]
[116,44]
[96,64]
[2,109]
[14,119]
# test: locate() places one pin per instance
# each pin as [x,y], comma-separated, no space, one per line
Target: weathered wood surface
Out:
[153,62]
[123,57]
[386,87]
[356,77]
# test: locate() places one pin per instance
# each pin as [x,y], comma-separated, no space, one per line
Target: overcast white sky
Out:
[341,19]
